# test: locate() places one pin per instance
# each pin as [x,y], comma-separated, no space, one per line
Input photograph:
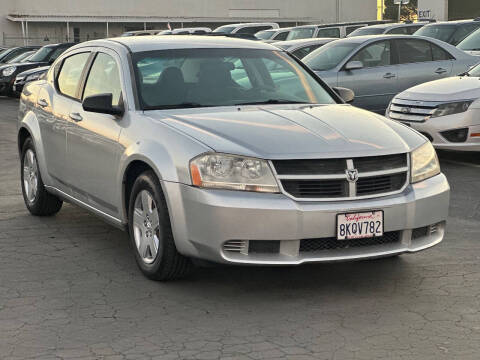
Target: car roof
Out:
[390,25]
[454,22]
[167,42]
[296,42]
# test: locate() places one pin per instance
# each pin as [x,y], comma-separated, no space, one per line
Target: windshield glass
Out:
[21,57]
[329,56]
[301,33]
[367,31]
[440,32]
[475,71]
[41,55]
[184,78]
[265,35]
[225,29]
[471,42]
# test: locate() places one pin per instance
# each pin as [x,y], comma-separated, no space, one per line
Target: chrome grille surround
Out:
[412,110]
[350,192]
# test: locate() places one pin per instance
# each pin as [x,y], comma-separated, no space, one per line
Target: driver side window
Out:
[374,55]
[104,78]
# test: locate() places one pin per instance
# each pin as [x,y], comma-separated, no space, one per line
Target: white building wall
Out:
[212,12]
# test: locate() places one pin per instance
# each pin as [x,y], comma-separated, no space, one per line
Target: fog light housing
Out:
[456,136]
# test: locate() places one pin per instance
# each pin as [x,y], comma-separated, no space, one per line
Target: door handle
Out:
[440,71]
[76,117]
[389,76]
[42,102]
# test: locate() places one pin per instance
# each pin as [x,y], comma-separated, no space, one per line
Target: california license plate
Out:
[360,225]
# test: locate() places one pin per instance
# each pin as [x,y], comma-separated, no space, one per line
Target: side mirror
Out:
[346,94]
[354,65]
[102,104]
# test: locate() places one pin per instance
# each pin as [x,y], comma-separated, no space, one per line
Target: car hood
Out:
[283,132]
[448,89]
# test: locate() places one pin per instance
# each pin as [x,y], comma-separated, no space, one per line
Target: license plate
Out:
[360,225]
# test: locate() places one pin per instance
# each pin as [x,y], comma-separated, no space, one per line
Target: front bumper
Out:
[203,221]
[433,128]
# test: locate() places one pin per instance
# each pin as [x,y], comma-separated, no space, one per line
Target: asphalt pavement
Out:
[70,289]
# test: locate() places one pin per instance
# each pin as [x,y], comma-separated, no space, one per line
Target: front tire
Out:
[38,201]
[151,233]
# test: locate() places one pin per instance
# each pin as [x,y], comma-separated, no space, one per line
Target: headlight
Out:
[9,70]
[232,172]
[424,162]
[33,77]
[452,108]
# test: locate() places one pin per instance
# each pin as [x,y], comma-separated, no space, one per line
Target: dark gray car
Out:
[379,67]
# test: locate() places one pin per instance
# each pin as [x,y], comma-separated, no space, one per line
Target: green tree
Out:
[409,11]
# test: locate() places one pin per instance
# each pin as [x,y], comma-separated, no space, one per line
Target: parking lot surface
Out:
[70,289]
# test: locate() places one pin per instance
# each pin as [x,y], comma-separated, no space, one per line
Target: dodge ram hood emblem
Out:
[352,175]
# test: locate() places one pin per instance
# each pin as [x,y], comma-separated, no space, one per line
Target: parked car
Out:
[11,53]
[245,28]
[446,111]
[156,136]
[339,30]
[22,57]
[452,32]
[302,47]
[393,28]
[186,31]
[471,44]
[26,77]
[273,35]
[377,67]
[44,56]
[140,33]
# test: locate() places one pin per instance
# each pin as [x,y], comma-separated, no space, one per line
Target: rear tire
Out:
[151,233]
[37,199]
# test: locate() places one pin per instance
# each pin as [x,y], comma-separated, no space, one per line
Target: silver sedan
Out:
[226,150]
[379,67]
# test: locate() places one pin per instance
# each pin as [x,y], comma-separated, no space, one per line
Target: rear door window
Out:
[304,51]
[398,31]
[351,29]
[413,51]
[70,74]
[439,54]
[333,32]
[281,36]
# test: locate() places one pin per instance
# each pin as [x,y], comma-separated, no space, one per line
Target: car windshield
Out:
[301,33]
[440,32]
[367,31]
[21,57]
[42,54]
[265,35]
[225,29]
[475,71]
[329,56]
[184,78]
[471,42]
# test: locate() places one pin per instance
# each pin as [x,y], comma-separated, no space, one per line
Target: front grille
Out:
[327,178]
[325,244]
[410,110]
[380,184]
[316,188]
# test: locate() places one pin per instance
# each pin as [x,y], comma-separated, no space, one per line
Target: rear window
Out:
[462,32]
[367,31]
[440,32]
[301,33]
[328,33]
[471,43]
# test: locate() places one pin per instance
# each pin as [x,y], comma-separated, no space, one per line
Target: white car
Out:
[446,111]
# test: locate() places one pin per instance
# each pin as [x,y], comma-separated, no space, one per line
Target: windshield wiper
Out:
[185,105]
[272,101]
